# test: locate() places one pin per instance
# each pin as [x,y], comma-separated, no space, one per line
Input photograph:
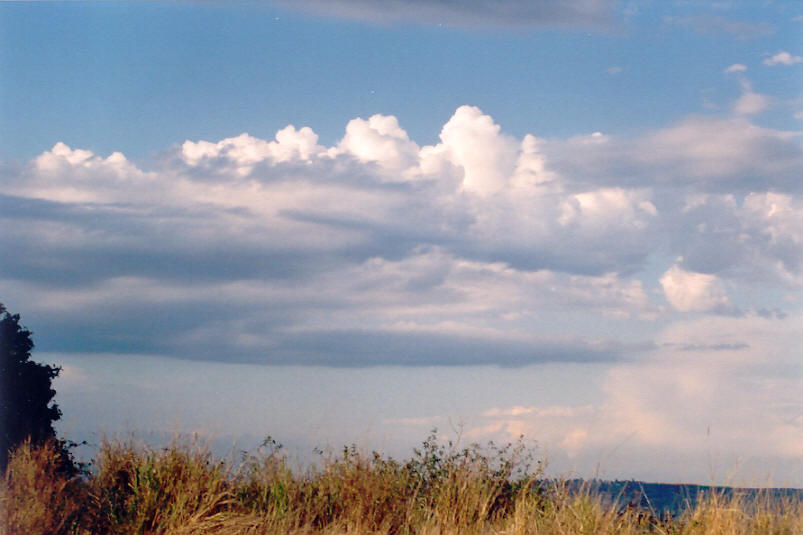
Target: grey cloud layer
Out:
[479,249]
[521,13]
[698,153]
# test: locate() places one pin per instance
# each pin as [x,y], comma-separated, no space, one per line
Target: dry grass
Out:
[36,496]
[442,490]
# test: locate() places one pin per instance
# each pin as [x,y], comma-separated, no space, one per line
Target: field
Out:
[441,489]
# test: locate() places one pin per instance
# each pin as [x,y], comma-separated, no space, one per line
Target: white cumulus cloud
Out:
[380,139]
[473,142]
[480,248]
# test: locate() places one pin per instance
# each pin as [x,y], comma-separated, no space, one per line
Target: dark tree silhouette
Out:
[25,389]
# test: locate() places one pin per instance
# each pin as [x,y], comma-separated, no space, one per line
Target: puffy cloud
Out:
[473,142]
[484,247]
[566,428]
[531,168]
[68,175]
[608,207]
[750,103]
[481,249]
[688,291]
[740,238]
[773,226]
[736,67]
[380,139]
[243,152]
[782,58]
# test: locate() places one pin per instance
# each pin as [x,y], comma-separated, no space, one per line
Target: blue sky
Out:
[579,221]
[138,77]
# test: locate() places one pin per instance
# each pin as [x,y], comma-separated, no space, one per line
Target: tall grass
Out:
[442,489]
[37,496]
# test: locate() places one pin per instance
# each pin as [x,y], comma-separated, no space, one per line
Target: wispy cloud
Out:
[700,391]
[472,13]
[717,25]
[783,58]
[749,102]
[736,67]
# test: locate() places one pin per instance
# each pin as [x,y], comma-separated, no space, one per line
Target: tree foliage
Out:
[26,389]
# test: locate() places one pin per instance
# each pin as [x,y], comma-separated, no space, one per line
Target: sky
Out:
[335,222]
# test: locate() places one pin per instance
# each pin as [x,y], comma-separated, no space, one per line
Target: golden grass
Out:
[35,496]
[441,490]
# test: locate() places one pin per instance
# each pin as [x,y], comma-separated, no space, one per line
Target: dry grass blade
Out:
[441,490]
